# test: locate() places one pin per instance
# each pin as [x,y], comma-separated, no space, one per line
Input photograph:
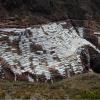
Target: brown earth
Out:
[15,13]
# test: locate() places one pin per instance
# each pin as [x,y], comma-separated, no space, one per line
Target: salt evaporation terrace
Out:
[42,49]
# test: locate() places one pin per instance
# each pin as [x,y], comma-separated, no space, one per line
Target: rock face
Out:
[51,9]
[43,53]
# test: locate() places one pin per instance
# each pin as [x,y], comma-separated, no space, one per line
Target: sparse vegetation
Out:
[29,12]
[85,86]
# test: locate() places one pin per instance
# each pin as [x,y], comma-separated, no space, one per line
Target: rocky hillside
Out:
[49,10]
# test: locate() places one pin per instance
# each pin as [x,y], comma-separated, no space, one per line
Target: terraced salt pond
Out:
[44,49]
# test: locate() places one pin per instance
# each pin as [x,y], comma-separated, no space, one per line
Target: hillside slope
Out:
[35,12]
[44,53]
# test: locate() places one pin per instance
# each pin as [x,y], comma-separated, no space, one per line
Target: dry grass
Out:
[85,86]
